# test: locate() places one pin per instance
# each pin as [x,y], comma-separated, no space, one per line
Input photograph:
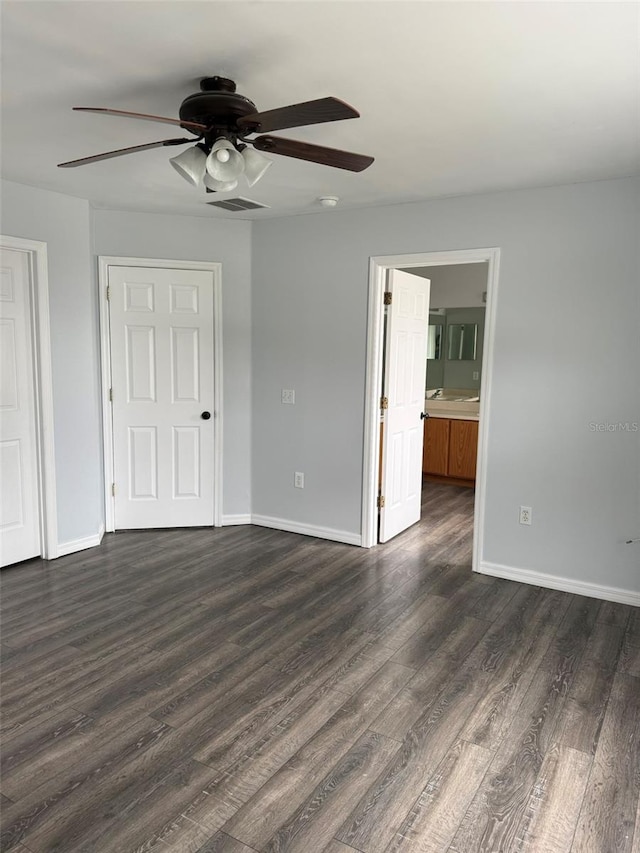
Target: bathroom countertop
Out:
[467,410]
[454,414]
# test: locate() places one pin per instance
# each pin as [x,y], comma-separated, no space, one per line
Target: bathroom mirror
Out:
[434,341]
[461,341]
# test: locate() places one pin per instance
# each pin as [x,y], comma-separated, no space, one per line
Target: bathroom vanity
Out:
[451,437]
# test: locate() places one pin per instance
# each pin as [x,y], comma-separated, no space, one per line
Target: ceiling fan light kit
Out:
[191,164]
[216,186]
[222,121]
[224,162]
[255,165]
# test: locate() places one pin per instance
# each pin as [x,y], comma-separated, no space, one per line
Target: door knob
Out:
[205,416]
[424,416]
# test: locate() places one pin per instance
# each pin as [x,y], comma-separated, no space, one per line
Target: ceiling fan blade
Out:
[188,125]
[298,115]
[120,151]
[315,153]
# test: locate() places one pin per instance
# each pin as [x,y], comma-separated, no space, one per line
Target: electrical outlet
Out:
[298,480]
[525,514]
[288,396]
[476,374]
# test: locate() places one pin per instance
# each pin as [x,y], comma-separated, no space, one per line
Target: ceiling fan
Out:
[222,122]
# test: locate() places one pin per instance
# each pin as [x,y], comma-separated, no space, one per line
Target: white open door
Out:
[19,495]
[162,374]
[404,387]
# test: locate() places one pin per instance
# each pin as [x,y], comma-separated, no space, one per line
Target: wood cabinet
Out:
[435,450]
[450,450]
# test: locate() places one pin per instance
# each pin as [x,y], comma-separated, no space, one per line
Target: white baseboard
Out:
[592,590]
[307,529]
[228,520]
[65,548]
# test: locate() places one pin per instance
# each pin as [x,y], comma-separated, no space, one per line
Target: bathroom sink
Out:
[453,403]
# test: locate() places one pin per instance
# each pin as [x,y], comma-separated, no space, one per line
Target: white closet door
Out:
[161,329]
[19,496]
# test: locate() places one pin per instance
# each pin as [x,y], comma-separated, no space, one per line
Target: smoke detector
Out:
[328,200]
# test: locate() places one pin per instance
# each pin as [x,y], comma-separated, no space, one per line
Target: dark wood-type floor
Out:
[241,689]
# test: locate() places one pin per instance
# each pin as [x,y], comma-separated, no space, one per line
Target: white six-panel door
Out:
[162,374]
[405,377]
[19,497]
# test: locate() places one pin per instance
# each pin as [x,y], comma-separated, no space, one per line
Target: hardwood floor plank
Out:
[50,802]
[124,817]
[373,823]
[434,818]
[354,674]
[270,656]
[612,613]
[550,819]
[152,677]
[51,693]
[277,800]
[409,705]
[24,666]
[629,662]
[337,847]
[635,847]
[27,756]
[437,627]
[235,786]
[180,835]
[582,716]
[535,628]
[223,843]
[491,604]
[610,803]
[492,820]
[633,626]
[315,821]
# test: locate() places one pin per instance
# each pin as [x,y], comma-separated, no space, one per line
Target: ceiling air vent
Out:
[237,204]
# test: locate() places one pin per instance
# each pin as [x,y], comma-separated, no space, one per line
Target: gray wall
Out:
[557,370]
[192,238]
[455,286]
[64,224]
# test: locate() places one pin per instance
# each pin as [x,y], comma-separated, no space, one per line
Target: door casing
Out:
[378,267]
[104,262]
[43,386]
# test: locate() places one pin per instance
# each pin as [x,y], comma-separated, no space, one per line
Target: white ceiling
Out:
[455,98]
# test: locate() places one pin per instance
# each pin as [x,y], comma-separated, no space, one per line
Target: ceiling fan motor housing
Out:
[217,105]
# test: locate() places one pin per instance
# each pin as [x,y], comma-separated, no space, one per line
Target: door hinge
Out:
[113,490]
[387,297]
[380,501]
[108,294]
[111,395]
[384,402]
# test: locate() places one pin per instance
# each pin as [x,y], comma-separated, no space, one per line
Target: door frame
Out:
[36,252]
[378,266]
[104,262]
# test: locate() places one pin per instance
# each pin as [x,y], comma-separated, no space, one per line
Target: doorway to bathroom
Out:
[452,404]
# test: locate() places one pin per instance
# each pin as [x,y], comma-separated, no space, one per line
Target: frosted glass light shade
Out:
[191,165]
[228,168]
[255,165]
[219,186]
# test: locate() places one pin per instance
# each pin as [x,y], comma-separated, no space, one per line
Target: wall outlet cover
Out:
[525,514]
[298,480]
[288,396]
